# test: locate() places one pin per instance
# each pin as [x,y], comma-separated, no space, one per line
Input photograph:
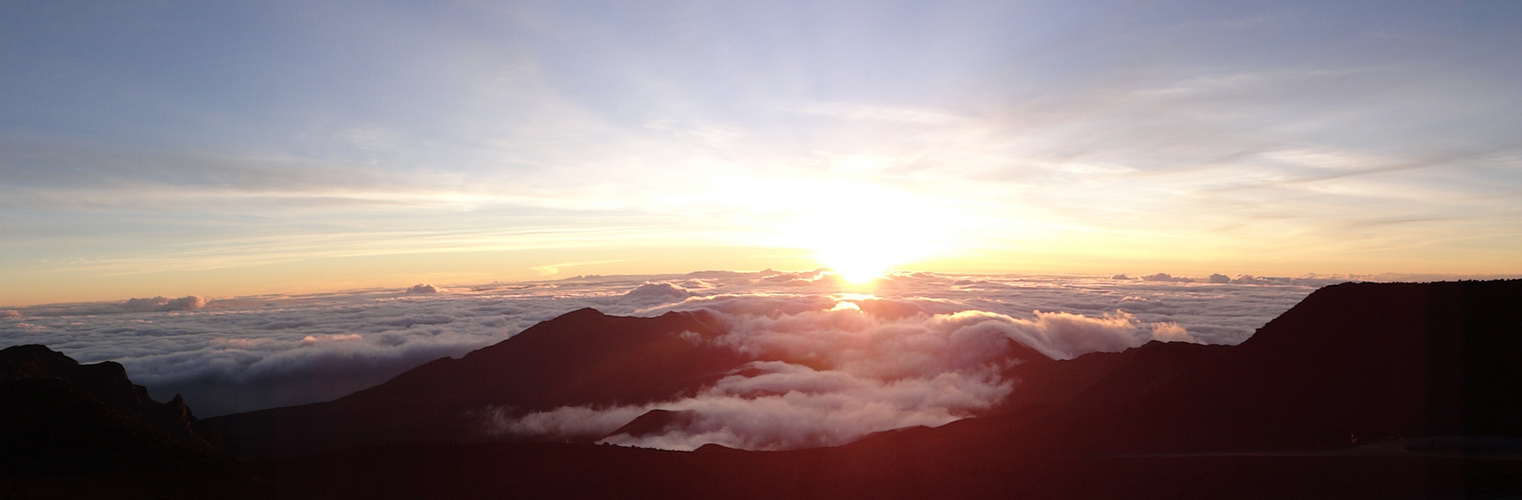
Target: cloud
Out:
[553,269]
[247,353]
[1247,279]
[424,288]
[333,337]
[1065,336]
[161,304]
[135,305]
[767,412]
[827,376]
[774,405]
[566,422]
[655,294]
[1172,332]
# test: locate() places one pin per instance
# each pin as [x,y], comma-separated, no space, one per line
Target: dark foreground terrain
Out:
[578,471]
[1360,391]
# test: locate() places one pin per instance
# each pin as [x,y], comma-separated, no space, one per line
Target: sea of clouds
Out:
[837,360]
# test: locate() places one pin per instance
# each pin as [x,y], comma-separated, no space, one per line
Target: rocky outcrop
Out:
[60,416]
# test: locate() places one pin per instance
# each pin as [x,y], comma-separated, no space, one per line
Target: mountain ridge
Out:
[581,358]
[1351,363]
[1353,393]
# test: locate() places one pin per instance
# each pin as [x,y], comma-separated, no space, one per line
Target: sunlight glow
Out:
[862,230]
[859,267]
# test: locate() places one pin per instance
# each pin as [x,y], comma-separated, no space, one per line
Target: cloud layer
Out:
[240,354]
[829,376]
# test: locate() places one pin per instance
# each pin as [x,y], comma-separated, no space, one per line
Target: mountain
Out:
[1352,363]
[60,416]
[1372,359]
[655,422]
[1360,391]
[581,358]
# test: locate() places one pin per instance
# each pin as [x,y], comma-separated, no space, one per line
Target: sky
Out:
[221,149]
[834,360]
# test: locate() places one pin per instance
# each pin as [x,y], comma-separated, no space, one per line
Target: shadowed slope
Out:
[581,358]
[1351,363]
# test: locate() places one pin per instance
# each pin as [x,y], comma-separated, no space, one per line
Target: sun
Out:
[859,229]
[861,232]
[859,276]
[858,271]
[863,249]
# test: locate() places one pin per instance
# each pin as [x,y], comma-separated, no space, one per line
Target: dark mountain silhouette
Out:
[57,415]
[581,358]
[1352,363]
[1360,391]
[655,422]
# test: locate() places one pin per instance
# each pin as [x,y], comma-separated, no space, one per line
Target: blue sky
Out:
[154,148]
